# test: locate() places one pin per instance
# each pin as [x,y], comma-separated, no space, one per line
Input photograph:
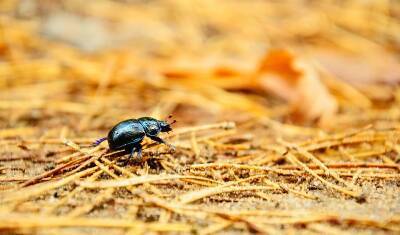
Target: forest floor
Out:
[288,117]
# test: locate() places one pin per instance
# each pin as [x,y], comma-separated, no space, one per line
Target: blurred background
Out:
[88,64]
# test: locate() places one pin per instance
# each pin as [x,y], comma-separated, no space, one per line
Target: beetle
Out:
[129,134]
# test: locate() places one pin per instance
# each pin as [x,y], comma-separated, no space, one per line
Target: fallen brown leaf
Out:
[295,79]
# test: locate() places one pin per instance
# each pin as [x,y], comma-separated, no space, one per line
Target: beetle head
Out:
[165,126]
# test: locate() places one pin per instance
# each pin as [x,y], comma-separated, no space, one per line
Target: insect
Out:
[129,134]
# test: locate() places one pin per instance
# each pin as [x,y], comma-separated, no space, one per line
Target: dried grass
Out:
[245,161]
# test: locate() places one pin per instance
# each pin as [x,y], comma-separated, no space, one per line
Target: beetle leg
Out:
[139,151]
[133,150]
[161,141]
[99,141]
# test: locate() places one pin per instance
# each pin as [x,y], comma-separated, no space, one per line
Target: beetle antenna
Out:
[173,121]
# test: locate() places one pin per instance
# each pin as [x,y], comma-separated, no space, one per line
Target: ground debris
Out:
[275,132]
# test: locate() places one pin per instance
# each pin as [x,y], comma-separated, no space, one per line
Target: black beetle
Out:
[129,134]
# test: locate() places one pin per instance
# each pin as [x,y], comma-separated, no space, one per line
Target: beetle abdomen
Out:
[125,133]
